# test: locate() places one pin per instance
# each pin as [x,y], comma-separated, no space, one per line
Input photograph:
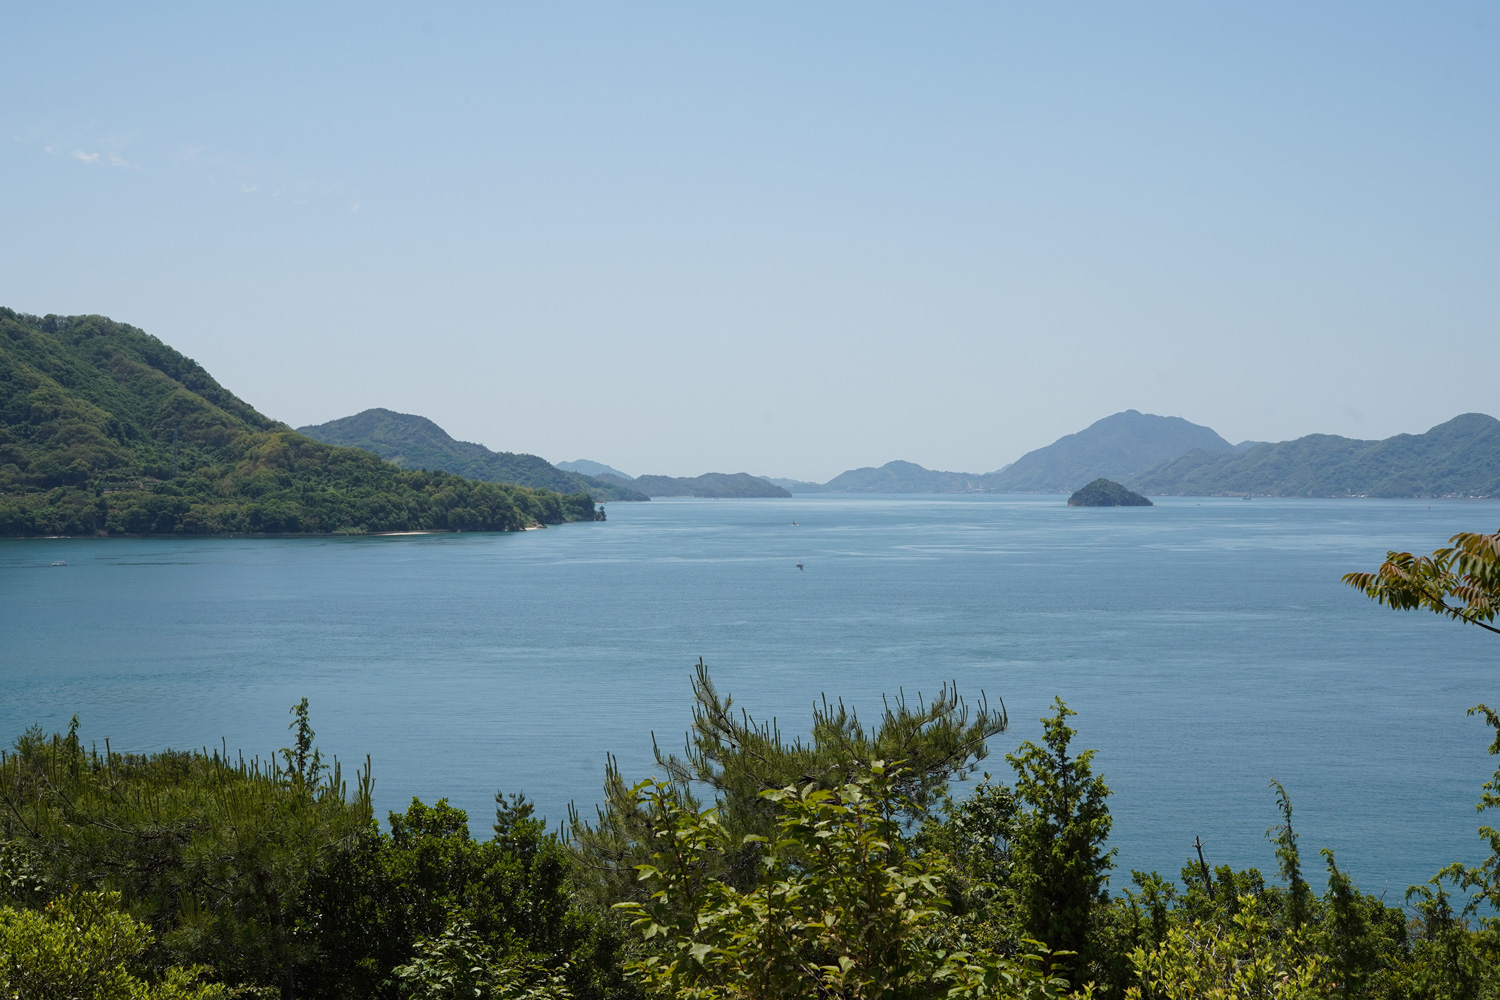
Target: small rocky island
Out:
[1107,493]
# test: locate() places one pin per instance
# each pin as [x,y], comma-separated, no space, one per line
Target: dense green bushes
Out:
[273,876]
[819,869]
[81,947]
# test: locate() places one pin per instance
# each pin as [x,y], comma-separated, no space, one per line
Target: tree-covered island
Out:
[106,430]
[1106,493]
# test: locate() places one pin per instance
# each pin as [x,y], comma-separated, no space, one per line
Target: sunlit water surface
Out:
[1208,647]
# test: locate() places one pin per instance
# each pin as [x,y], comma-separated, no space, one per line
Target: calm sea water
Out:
[1208,647]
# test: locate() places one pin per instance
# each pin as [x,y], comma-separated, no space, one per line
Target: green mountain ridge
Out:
[104,429]
[1458,458]
[415,442]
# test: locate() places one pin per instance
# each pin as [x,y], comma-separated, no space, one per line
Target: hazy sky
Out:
[785,239]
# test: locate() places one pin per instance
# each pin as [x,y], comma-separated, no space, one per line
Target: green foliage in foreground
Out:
[272,876]
[736,759]
[213,854]
[1461,581]
[105,429]
[82,947]
[843,906]
[182,875]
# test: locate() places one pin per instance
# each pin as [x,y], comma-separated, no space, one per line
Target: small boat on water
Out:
[59,562]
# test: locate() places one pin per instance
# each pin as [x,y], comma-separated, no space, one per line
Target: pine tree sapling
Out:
[1060,868]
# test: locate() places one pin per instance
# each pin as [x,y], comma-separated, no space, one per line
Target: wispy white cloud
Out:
[225,171]
[98,159]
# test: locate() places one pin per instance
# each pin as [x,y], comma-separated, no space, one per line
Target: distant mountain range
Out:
[414,442]
[1116,447]
[1148,453]
[1460,458]
[1169,455]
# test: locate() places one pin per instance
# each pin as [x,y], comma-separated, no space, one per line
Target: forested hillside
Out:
[1459,458]
[105,429]
[414,442]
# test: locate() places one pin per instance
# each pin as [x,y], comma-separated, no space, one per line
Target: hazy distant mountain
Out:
[1457,458]
[584,467]
[905,477]
[1169,455]
[415,442]
[1115,447]
[796,485]
[1118,447]
[712,484]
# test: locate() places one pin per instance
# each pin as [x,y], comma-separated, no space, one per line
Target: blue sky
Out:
[787,239]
